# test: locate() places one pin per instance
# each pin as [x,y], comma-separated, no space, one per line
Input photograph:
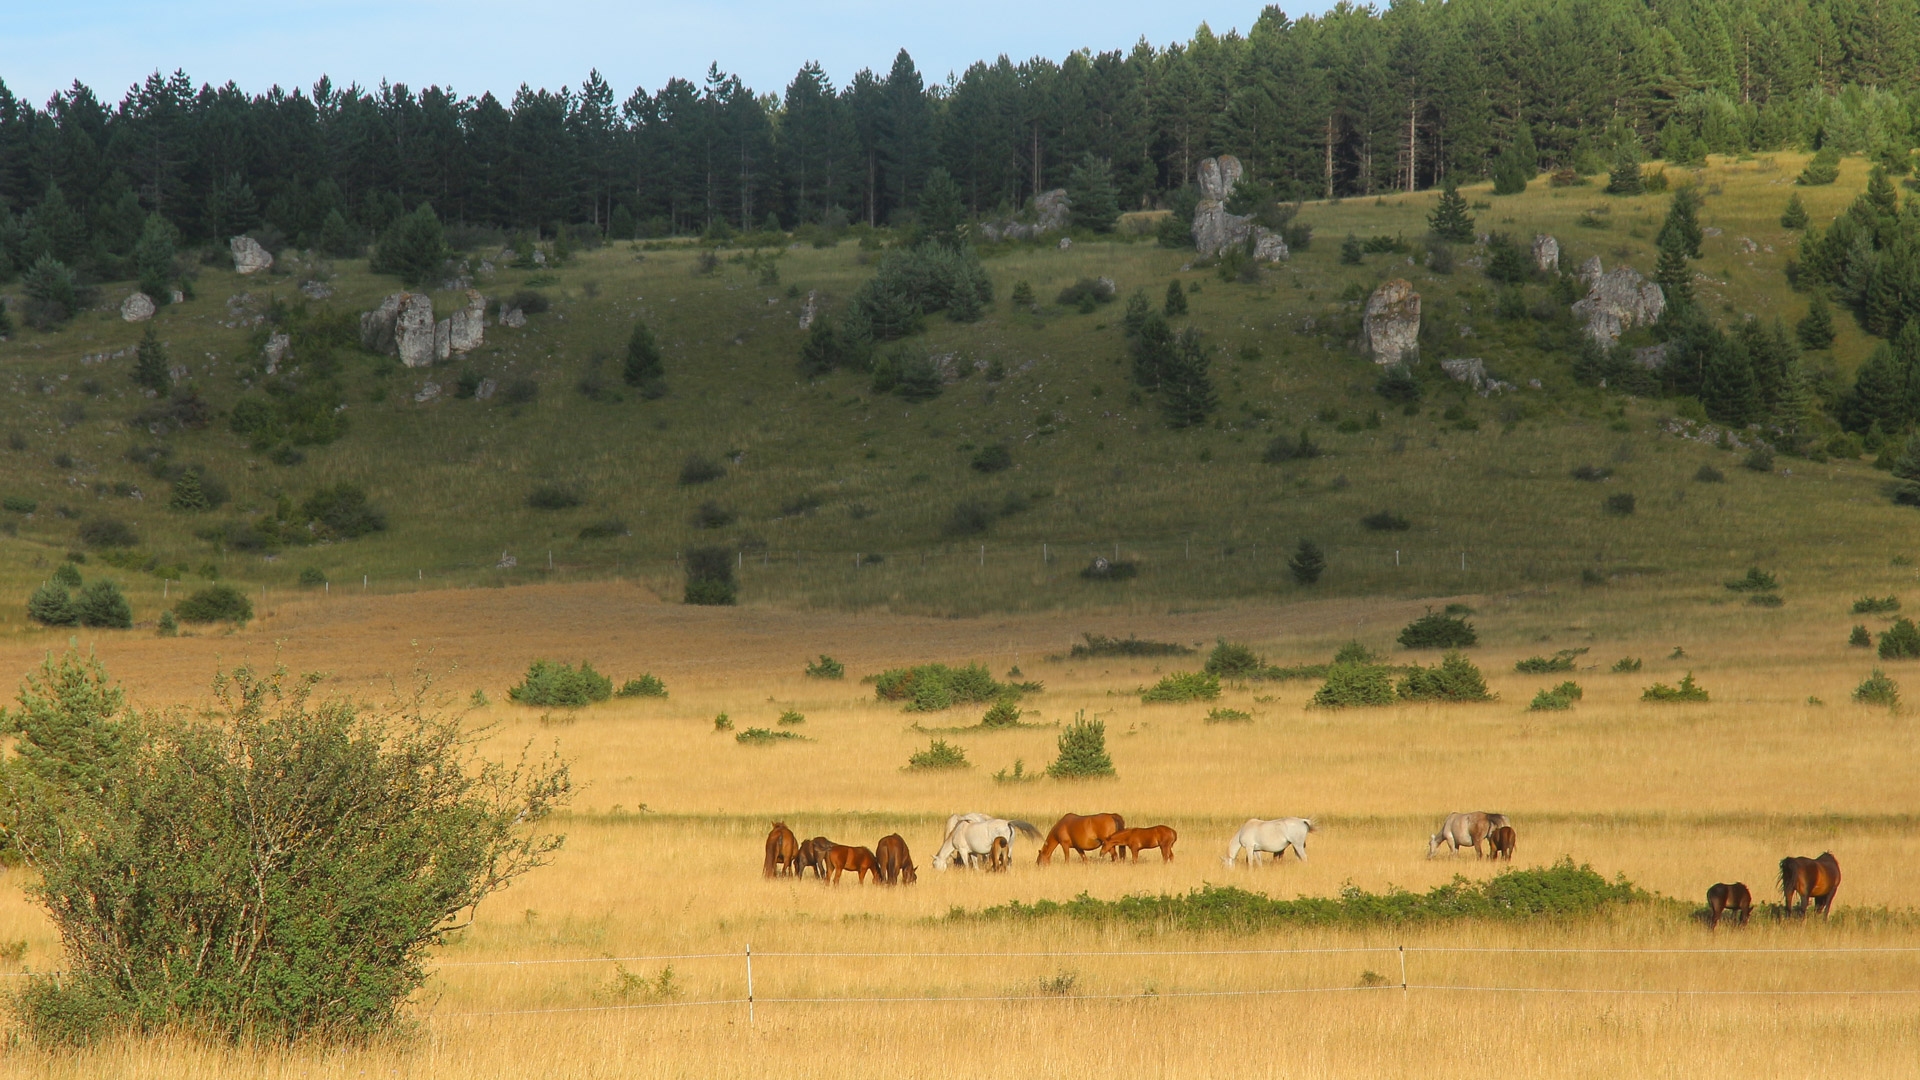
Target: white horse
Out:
[946,836]
[972,840]
[1274,835]
[1464,829]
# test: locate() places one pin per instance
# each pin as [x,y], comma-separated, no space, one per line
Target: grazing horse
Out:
[782,852]
[1134,841]
[841,858]
[1082,834]
[975,839]
[1462,829]
[813,854]
[896,863]
[1814,879]
[1273,835]
[1732,898]
[999,857]
[1500,843]
[953,823]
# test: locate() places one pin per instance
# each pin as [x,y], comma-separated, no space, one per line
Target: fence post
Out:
[1403,971]
[983,554]
[363,582]
[750,983]
[1463,560]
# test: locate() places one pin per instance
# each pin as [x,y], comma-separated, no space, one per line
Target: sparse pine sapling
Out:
[643,363]
[151,367]
[1307,563]
[1795,215]
[1449,220]
[1815,330]
[1176,303]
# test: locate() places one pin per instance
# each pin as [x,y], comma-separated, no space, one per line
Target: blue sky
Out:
[476,45]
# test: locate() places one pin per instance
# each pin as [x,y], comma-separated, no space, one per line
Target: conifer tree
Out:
[151,367]
[153,257]
[823,350]
[188,494]
[1683,220]
[1881,195]
[1878,398]
[1795,407]
[1624,178]
[1673,273]
[942,211]
[413,248]
[1186,389]
[1795,215]
[1816,329]
[1350,252]
[1152,350]
[1091,200]
[1907,465]
[643,363]
[1728,390]
[1449,220]
[1307,562]
[1176,304]
[1516,166]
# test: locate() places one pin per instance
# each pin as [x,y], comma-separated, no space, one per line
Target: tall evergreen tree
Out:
[1186,389]
[151,366]
[1673,273]
[1090,195]
[643,363]
[1176,302]
[1815,330]
[1518,164]
[1449,219]
[1729,391]
[1795,215]
[941,210]
[1624,178]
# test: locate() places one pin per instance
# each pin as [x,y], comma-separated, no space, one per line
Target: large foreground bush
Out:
[932,687]
[273,867]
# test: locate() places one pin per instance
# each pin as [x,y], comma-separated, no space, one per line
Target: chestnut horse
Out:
[998,856]
[813,854]
[1465,829]
[1730,898]
[841,858]
[1134,841]
[783,851]
[1501,840]
[1814,879]
[896,863]
[1082,834]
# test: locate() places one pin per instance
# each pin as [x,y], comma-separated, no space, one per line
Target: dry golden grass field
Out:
[663,849]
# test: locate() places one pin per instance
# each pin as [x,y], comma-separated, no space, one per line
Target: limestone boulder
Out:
[1390,328]
[276,350]
[512,317]
[1051,210]
[137,307]
[414,331]
[810,310]
[248,256]
[1217,177]
[1268,246]
[1546,254]
[376,326]
[1618,300]
[1590,270]
[1470,370]
[467,327]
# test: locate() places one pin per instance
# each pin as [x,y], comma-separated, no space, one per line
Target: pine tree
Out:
[413,249]
[51,606]
[942,211]
[1878,398]
[1673,273]
[151,368]
[1186,390]
[643,363]
[1728,391]
[1907,465]
[1350,252]
[1153,349]
[153,258]
[1176,304]
[620,223]
[1881,195]
[188,494]
[337,237]
[1795,408]
[101,604]
[1091,199]
[1449,220]
[1516,167]
[1795,215]
[1624,178]
[1816,329]
[1683,221]
[1307,563]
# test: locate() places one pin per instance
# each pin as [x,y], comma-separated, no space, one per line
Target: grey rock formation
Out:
[1108,287]
[1617,300]
[1217,177]
[137,307]
[427,392]
[1653,357]
[1051,210]
[1214,229]
[467,326]
[1390,329]
[413,330]
[810,310]
[485,389]
[1589,270]
[512,316]
[376,326]
[248,256]
[316,290]
[277,347]
[1470,370]
[1066,242]
[1546,254]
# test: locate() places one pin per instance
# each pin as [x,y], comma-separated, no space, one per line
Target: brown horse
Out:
[782,851]
[999,857]
[1814,879]
[1501,840]
[813,854]
[896,862]
[1082,834]
[841,858]
[1731,898]
[1134,841]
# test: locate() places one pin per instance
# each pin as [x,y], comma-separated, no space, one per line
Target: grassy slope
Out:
[453,474]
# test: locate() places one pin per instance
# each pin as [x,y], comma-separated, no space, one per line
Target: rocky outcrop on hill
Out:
[1390,328]
[248,256]
[403,325]
[1051,209]
[1546,254]
[137,308]
[1617,300]
[1214,229]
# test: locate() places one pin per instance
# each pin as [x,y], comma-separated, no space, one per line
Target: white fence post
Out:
[750,983]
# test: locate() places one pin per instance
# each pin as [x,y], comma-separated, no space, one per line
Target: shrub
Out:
[1228,716]
[826,668]
[932,687]
[1109,570]
[51,605]
[167,626]
[1686,691]
[1765,600]
[992,459]
[1016,775]
[1759,459]
[1102,645]
[548,683]
[1860,639]
[1231,660]
[1083,751]
[413,249]
[312,575]
[1438,631]
[970,517]
[1003,713]
[1542,665]
[1621,505]
[108,532]
[1397,385]
[1307,563]
[1386,521]
[553,497]
[342,512]
[1901,641]
[939,754]
[710,579]
[331,847]
[644,686]
[1454,678]
[19,504]
[1707,474]
[1876,605]
[1283,449]
[699,469]
[1755,580]
[722,722]
[1182,687]
[67,574]
[1877,689]
[603,530]
[759,736]
[1560,697]
[1593,474]
[215,603]
[790,718]
[1355,684]
[102,605]
[1084,293]
[711,515]
[529,301]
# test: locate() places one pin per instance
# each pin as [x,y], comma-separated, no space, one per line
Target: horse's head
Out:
[908,875]
[1433,843]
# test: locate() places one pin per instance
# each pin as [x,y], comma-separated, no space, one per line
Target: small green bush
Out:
[1355,684]
[1307,563]
[342,512]
[1454,678]
[1877,689]
[1438,631]
[1355,653]
[1688,690]
[215,603]
[759,736]
[1860,639]
[1545,665]
[1625,664]
[1560,697]
[102,605]
[710,580]
[1876,605]
[553,497]
[67,574]
[1901,641]
[549,683]
[1232,660]
[939,754]
[1016,775]
[1707,474]
[1754,580]
[1621,505]
[51,605]
[1102,645]
[1182,686]
[722,722]
[108,532]
[168,626]
[1593,474]
[19,504]
[1766,599]
[932,687]
[1228,716]
[1386,521]
[992,459]
[699,469]
[644,686]
[1083,751]
[1004,713]
[790,718]
[312,575]
[826,668]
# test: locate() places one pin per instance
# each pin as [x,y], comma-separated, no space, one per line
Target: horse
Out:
[976,838]
[1273,835]
[953,823]
[998,857]
[1500,843]
[1814,879]
[1134,841]
[841,858]
[813,854]
[782,851]
[1082,834]
[1725,897]
[1463,829]
[896,863]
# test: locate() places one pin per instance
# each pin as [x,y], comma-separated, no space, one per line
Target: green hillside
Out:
[837,495]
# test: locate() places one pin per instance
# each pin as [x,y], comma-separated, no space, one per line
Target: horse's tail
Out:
[1026,829]
[1119,822]
[1786,880]
[1311,827]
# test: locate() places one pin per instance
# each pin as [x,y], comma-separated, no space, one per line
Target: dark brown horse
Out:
[1501,840]
[813,854]
[1732,898]
[782,851]
[896,862]
[1082,834]
[1814,879]
[841,858]
[1134,841]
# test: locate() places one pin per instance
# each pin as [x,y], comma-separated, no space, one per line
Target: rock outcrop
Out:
[1546,254]
[512,316]
[276,349]
[376,326]
[1051,210]
[137,307]
[403,325]
[1390,329]
[467,327]
[811,309]
[1616,300]
[248,256]
[414,330]
[1214,229]
[1473,371]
